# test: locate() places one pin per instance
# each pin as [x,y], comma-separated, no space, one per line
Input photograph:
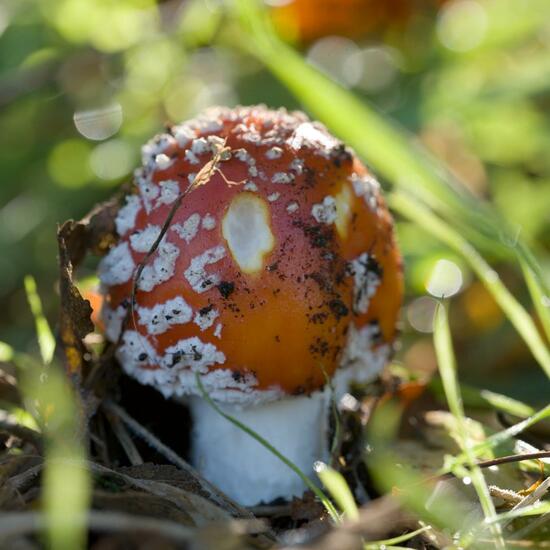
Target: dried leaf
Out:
[307,508]
[95,233]
[100,225]
[199,508]
[75,316]
[142,504]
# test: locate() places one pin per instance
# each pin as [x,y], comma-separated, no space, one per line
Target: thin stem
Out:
[447,368]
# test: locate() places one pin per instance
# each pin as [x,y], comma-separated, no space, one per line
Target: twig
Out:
[125,440]
[174,458]
[152,250]
[144,434]
[513,458]
[221,153]
[23,523]
[20,481]
[497,462]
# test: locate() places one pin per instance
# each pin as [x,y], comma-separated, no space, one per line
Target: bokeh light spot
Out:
[462,25]
[334,56]
[68,163]
[110,25]
[445,279]
[99,124]
[277,3]
[377,65]
[20,216]
[112,159]
[150,65]
[421,312]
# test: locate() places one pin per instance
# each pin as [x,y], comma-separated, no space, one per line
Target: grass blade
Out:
[338,488]
[372,545]
[447,369]
[474,397]
[66,482]
[46,340]
[515,312]
[540,300]
[536,509]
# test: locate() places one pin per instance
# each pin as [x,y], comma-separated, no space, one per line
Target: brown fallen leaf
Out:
[140,503]
[95,233]
[75,312]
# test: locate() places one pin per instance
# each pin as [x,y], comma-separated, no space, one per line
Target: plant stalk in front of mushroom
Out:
[279,270]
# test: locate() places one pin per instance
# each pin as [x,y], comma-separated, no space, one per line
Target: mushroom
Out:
[277,272]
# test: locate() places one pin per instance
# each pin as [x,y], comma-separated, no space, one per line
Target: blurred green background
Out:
[83,83]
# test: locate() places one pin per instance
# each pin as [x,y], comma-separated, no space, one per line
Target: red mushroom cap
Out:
[275,271]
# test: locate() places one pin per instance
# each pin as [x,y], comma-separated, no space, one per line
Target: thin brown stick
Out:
[145,260]
[513,458]
[23,523]
[125,440]
[222,153]
[174,458]
[145,435]
[488,463]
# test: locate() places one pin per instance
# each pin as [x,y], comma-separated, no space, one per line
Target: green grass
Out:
[541,302]
[493,441]
[537,509]
[448,373]
[66,482]
[523,323]
[395,540]
[46,340]
[485,399]
[48,396]
[338,489]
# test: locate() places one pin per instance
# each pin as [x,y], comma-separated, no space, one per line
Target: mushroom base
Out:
[243,468]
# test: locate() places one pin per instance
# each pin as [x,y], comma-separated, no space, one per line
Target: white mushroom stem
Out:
[241,466]
[297,426]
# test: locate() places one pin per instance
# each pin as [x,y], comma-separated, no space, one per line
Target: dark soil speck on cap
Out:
[226,288]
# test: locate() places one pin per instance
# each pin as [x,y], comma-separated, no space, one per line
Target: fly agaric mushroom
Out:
[277,271]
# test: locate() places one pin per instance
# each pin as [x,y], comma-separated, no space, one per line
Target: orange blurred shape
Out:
[308,20]
[481,307]
[420,358]
[405,394]
[96,301]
